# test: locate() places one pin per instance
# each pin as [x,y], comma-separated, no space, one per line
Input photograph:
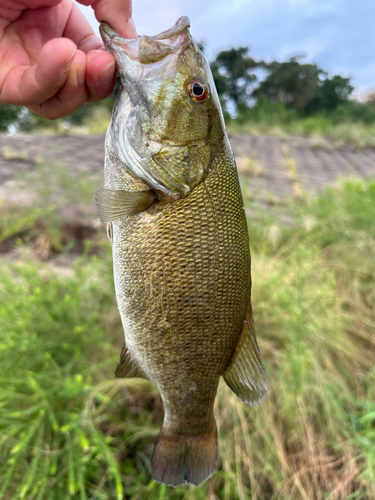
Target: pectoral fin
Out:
[127,367]
[113,205]
[245,374]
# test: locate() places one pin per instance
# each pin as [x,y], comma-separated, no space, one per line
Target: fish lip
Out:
[180,25]
[110,36]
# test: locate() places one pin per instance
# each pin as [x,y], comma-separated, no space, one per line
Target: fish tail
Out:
[180,458]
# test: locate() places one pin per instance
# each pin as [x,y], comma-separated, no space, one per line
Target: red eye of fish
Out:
[198,90]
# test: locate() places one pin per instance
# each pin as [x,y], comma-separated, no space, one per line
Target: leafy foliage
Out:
[8,116]
[303,87]
[329,94]
[290,82]
[249,85]
[233,74]
[51,332]
[24,120]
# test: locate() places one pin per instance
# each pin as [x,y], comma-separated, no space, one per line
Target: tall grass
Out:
[69,430]
[52,349]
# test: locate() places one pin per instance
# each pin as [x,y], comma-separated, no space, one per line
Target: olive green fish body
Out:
[182,284]
[181,258]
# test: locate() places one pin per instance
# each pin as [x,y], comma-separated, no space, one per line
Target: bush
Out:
[353,111]
[9,115]
[267,113]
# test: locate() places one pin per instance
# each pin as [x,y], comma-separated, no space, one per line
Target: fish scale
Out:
[180,248]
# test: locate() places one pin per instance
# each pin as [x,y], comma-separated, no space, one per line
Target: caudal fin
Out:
[179,459]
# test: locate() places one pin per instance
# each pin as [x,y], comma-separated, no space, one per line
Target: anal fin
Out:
[127,367]
[112,205]
[246,374]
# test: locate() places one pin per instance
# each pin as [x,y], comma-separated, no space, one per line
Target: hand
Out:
[50,59]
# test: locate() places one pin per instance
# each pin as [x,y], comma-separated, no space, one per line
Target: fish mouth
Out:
[148,49]
[140,138]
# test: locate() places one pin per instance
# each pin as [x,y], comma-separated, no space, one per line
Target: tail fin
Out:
[179,459]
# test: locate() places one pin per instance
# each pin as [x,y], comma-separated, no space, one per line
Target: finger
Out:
[11,10]
[100,75]
[32,85]
[117,13]
[31,4]
[79,30]
[71,96]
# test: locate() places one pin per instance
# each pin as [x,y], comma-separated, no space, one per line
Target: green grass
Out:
[58,215]
[352,134]
[351,124]
[69,430]
[52,345]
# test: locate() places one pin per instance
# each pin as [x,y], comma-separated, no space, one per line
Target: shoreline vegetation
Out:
[69,430]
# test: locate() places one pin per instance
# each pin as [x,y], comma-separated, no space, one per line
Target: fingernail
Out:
[131,32]
[106,76]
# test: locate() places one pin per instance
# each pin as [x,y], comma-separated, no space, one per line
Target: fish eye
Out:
[198,90]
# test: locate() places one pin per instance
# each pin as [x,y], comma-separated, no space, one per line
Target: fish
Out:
[181,260]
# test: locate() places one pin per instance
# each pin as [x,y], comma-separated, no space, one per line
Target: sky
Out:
[338,35]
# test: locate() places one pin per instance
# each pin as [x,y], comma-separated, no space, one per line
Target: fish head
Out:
[167,117]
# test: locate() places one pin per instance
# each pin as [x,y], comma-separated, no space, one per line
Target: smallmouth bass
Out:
[175,217]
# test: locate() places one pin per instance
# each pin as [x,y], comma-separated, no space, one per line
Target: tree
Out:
[303,87]
[8,116]
[330,93]
[233,72]
[289,82]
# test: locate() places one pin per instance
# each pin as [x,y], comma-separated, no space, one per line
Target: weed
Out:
[319,143]
[354,135]
[68,430]
[52,343]
[291,168]
[250,166]
[14,155]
